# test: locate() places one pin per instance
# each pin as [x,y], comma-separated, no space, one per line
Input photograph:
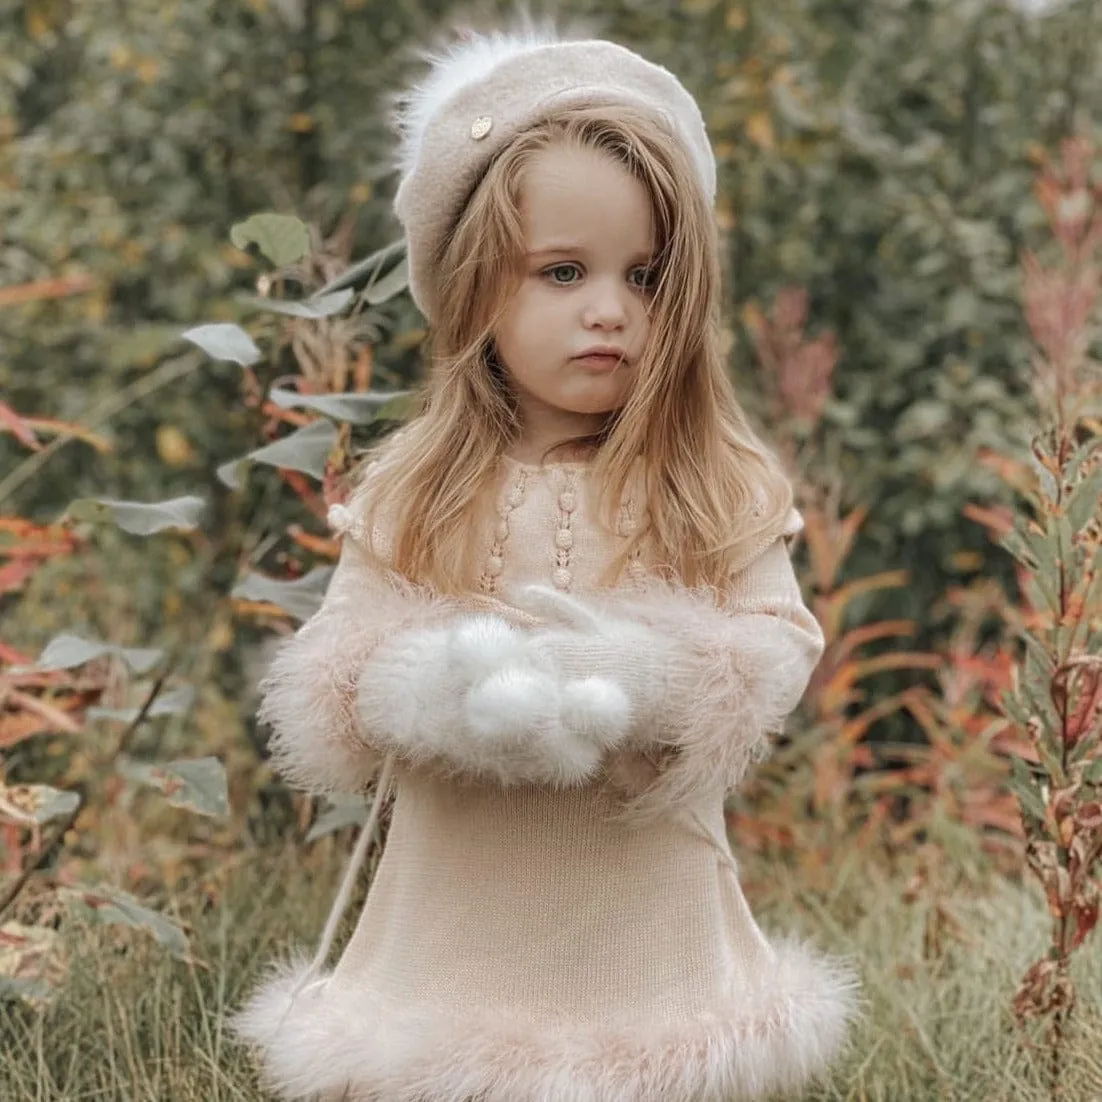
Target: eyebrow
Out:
[567,247]
[557,247]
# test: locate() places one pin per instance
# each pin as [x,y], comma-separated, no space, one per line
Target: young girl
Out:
[565,622]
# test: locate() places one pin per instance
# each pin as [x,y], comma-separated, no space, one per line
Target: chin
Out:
[594,410]
[597,405]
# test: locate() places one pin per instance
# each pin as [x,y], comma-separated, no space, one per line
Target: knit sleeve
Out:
[389,667]
[711,673]
[741,661]
[309,695]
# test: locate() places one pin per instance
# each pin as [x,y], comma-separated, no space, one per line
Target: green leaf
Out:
[1039,660]
[140,518]
[225,341]
[37,803]
[1014,708]
[282,238]
[111,906]
[357,409]
[1035,682]
[1051,762]
[320,306]
[301,598]
[1044,551]
[1041,591]
[381,290]
[1075,461]
[922,419]
[1085,501]
[197,785]
[33,992]
[1025,788]
[1014,543]
[66,652]
[399,408]
[363,271]
[307,450]
[1049,486]
[339,815]
[140,344]
[173,703]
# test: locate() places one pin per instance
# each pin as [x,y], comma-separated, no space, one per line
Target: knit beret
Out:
[487,89]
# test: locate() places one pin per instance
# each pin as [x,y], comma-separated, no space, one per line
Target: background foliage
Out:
[879,155]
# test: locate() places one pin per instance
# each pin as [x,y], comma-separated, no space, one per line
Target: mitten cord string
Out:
[348,882]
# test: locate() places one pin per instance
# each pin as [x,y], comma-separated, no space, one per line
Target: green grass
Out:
[134,1025]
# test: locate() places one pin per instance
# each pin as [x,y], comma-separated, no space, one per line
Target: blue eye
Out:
[556,273]
[647,277]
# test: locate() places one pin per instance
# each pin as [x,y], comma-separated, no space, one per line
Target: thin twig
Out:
[20,882]
[168,372]
[150,699]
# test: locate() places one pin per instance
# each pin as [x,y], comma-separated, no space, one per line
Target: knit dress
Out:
[529,940]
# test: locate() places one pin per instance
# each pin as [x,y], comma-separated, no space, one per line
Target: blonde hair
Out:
[711,488]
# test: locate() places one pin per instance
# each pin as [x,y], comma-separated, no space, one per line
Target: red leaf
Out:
[18,727]
[1085,913]
[1087,712]
[19,428]
[14,657]
[14,575]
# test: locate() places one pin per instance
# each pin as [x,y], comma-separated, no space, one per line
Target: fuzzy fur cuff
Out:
[308,696]
[732,679]
[342,1043]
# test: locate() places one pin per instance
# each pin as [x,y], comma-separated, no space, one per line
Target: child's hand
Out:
[581,640]
[480,645]
[555,607]
[472,694]
[521,709]
[528,724]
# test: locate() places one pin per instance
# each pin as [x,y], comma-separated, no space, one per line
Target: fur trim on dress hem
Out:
[338,1044]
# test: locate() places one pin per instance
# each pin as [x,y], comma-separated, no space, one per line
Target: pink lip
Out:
[602,353]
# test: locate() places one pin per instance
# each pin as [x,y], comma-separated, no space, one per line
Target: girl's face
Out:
[574,332]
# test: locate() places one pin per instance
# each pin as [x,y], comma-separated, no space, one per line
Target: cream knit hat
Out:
[487,89]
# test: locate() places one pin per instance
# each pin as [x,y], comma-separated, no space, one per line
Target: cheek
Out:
[518,318]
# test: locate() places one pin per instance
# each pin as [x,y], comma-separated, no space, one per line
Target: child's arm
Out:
[710,676]
[309,695]
[386,667]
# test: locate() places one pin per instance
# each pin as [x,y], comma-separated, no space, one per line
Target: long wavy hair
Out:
[711,488]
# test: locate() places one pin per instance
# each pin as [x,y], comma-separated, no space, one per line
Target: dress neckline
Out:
[549,465]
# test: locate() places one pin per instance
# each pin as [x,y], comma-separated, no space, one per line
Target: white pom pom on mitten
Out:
[597,708]
[475,695]
[585,642]
[510,703]
[528,727]
[482,644]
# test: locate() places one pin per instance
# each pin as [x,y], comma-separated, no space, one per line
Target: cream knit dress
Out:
[531,942]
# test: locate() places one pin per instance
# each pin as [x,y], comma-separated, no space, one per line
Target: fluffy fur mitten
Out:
[708,682]
[584,640]
[471,697]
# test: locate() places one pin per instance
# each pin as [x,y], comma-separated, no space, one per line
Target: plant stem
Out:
[12,892]
[168,372]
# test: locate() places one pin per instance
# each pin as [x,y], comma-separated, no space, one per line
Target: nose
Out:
[606,306]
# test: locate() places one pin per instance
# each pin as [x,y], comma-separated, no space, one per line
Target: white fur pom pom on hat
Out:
[484,91]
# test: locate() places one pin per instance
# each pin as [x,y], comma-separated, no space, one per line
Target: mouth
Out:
[604,358]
